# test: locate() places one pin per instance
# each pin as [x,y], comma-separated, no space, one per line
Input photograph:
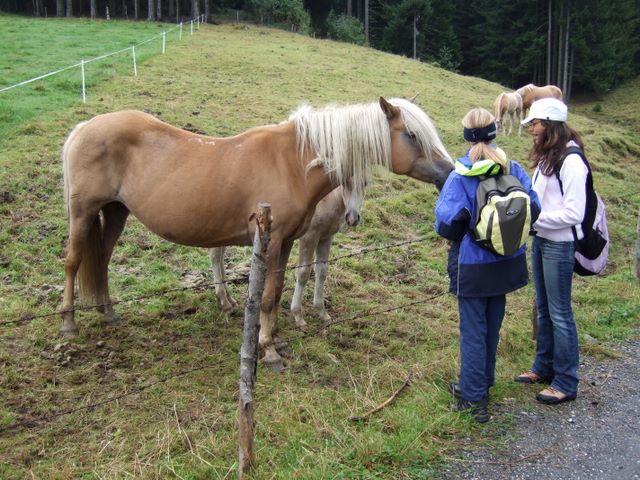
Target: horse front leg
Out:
[321,266]
[216,256]
[268,308]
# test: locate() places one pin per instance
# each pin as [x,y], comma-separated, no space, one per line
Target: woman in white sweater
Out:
[559,180]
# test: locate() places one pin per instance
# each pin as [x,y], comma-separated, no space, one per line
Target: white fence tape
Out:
[132,49]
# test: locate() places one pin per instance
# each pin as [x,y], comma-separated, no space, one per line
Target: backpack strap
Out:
[591,200]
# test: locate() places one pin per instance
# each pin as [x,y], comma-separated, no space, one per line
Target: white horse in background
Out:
[509,105]
[530,93]
[334,210]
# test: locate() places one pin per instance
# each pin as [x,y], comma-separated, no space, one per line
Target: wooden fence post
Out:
[249,349]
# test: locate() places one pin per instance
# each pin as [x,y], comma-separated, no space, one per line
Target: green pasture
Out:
[173,364]
[32,47]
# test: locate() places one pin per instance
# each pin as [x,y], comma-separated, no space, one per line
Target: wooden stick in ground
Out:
[534,320]
[357,418]
[249,349]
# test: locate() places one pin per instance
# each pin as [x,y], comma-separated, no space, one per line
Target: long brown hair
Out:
[548,153]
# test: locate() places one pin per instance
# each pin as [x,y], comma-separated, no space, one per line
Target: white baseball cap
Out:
[547,109]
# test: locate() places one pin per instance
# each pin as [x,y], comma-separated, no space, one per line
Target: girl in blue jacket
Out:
[478,277]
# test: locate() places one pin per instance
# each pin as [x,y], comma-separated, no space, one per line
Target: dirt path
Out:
[595,437]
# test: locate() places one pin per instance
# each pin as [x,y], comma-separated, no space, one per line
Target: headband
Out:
[483,134]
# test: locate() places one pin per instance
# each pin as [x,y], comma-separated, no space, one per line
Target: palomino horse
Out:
[530,93]
[509,105]
[333,211]
[200,191]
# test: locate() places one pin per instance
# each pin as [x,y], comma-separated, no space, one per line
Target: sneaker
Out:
[477,409]
[454,389]
[552,396]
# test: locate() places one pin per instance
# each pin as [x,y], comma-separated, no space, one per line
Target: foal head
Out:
[352,198]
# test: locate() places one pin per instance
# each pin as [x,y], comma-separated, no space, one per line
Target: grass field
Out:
[156,397]
[66,42]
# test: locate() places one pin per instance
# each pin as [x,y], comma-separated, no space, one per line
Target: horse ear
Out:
[413,99]
[389,110]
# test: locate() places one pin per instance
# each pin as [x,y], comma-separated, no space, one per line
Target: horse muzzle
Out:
[352,218]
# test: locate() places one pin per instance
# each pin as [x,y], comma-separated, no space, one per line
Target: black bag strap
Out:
[591,200]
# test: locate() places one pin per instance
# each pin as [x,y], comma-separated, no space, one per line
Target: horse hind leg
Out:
[320,268]
[79,233]
[113,221]
[83,262]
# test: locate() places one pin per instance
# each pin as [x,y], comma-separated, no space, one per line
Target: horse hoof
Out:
[275,365]
[113,321]
[69,331]
[285,350]
[300,323]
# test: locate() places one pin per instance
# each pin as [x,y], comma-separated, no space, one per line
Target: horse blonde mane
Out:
[348,141]
[527,88]
[418,123]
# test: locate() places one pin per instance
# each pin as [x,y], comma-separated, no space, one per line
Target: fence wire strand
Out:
[28,317]
[43,420]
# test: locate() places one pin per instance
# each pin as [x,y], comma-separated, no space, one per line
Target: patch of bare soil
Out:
[595,437]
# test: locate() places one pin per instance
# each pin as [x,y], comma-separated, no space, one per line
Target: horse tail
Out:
[65,164]
[518,98]
[497,106]
[89,277]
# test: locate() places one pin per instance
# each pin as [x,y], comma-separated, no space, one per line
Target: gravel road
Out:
[597,436]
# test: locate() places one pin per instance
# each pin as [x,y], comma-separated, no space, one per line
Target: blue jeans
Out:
[557,354]
[480,322]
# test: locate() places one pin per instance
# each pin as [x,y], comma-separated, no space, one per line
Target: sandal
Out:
[529,377]
[551,396]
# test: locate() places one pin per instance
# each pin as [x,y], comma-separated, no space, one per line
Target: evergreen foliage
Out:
[584,46]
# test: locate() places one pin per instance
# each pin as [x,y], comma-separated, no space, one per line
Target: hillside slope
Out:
[173,363]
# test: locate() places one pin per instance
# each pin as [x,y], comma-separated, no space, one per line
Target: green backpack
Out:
[503,217]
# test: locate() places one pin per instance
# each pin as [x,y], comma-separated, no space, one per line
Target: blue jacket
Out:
[473,270]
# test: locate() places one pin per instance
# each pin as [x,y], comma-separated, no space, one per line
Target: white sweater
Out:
[560,212]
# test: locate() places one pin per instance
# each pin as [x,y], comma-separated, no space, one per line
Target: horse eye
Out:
[411,136]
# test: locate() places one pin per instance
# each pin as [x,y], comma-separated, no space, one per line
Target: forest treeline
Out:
[579,45]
